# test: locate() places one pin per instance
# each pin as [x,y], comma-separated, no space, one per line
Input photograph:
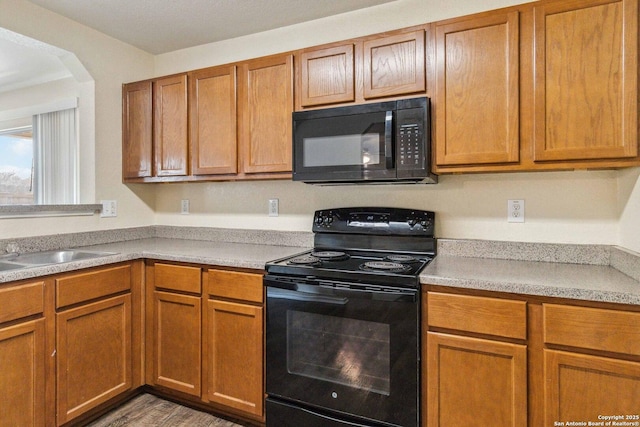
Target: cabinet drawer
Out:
[592,328]
[21,301]
[235,285]
[177,278]
[95,284]
[492,316]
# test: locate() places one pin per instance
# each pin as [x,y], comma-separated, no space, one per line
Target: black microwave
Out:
[370,143]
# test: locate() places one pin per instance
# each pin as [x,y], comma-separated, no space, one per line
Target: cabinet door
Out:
[212,107]
[394,65]
[581,387]
[137,130]
[176,330]
[265,105]
[235,334]
[93,355]
[475,382]
[170,126]
[586,73]
[326,76]
[477,91]
[22,376]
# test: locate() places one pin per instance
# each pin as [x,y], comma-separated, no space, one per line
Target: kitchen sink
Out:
[17,261]
[6,266]
[57,257]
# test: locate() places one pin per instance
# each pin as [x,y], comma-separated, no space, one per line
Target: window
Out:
[40,162]
[16,166]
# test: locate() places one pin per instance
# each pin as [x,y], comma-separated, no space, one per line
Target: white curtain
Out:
[55,137]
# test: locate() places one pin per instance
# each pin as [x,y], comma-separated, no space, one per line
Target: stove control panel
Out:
[382,221]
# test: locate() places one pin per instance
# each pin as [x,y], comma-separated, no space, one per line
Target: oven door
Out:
[351,350]
[354,145]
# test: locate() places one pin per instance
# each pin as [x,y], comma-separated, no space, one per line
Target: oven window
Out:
[345,351]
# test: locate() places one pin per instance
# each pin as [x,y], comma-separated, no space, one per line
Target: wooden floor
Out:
[147,410]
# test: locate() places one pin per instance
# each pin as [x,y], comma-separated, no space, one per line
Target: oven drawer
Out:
[481,315]
[592,328]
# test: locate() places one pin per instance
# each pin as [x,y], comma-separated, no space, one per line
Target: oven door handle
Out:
[273,292]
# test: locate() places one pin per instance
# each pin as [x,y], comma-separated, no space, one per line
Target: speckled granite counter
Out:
[576,281]
[585,272]
[226,254]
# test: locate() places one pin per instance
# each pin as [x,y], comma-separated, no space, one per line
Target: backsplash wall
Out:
[561,207]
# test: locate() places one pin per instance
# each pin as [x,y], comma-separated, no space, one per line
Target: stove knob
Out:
[411,222]
[319,220]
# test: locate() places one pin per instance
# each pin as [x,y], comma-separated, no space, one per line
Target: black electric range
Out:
[365,245]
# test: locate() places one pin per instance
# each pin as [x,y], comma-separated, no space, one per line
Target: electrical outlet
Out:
[273,207]
[515,211]
[184,207]
[109,208]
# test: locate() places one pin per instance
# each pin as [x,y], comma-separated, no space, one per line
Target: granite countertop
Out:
[576,281]
[596,280]
[224,254]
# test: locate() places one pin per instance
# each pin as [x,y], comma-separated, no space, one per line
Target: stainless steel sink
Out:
[16,261]
[57,257]
[6,266]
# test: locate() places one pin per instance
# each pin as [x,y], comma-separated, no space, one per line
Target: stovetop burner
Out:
[330,255]
[387,266]
[306,259]
[401,258]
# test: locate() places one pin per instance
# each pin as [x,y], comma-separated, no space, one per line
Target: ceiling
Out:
[160,26]
[156,26]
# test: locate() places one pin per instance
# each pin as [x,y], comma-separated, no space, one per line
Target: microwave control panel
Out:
[411,142]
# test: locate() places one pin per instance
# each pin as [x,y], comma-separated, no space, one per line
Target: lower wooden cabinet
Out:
[526,361]
[22,374]
[174,327]
[582,387]
[205,336]
[591,363]
[472,380]
[235,341]
[176,336]
[94,357]
[486,378]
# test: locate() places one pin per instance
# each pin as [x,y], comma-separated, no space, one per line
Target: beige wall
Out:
[577,207]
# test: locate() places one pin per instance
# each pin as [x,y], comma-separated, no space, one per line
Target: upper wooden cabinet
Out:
[326,75]
[265,98]
[212,112]
[137,134]
[379,66]
[543,86]
[229,122]
[586,80]
[478,90]
[170,136]
[394,65]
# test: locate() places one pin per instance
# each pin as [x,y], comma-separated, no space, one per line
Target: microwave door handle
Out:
[388,138]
